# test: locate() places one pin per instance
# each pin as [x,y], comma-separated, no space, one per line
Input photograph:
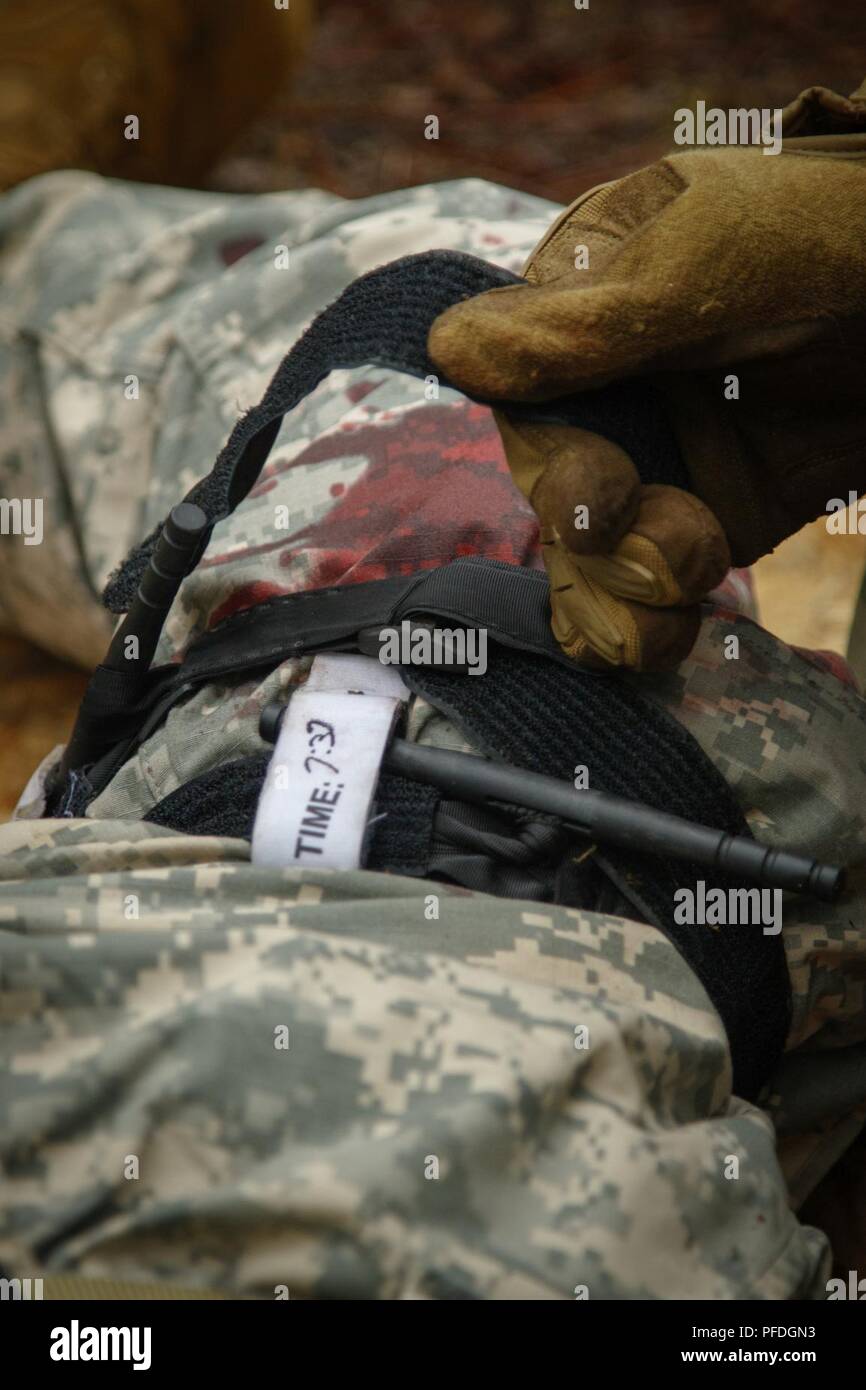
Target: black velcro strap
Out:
[510,603]
[536,715]
[383,319]
[223,801]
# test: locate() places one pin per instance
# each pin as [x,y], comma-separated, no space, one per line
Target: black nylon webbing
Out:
[535,714]
[383,319]
[509,602]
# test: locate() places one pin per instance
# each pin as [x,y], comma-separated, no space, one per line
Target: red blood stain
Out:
[232,251]
[434,486]
[360,389]
[245,596]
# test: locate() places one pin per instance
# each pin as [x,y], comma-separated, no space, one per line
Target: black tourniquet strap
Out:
[382,319]
[510,603]
[535,714]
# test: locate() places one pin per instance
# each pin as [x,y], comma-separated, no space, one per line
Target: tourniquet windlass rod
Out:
[609,819]
[173,557]
[134,644]
[614,819]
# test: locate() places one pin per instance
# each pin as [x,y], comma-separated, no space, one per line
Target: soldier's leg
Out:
[644,1107]
[358,1085]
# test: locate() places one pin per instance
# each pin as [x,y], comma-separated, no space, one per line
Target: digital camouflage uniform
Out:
[435,1127]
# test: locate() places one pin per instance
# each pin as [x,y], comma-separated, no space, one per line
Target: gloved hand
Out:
[733,282]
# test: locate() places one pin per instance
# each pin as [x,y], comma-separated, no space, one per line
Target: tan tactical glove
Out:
[733,282]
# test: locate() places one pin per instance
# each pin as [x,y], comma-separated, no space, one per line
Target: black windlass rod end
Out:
[174,555]
[182,530]
[176,552]
[271,720]
[827,882]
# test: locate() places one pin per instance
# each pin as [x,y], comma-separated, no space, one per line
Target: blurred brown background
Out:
[540,96]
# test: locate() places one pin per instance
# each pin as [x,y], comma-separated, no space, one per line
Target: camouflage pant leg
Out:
[360,1084]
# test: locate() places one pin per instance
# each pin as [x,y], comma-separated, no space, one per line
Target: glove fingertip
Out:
[482,348]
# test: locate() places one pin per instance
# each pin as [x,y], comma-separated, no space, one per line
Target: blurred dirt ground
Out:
[539,96]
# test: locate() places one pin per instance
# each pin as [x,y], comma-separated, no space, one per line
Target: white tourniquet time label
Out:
[315,803]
